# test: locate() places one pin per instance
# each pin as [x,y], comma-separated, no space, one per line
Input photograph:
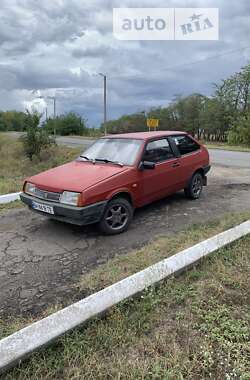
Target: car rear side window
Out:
[158,151]
[185,144]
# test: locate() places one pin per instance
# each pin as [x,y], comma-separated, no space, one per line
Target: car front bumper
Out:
[66,213]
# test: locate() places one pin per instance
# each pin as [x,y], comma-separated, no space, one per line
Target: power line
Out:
[208,58]
[188,63]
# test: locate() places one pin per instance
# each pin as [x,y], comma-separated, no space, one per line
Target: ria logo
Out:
[197,24]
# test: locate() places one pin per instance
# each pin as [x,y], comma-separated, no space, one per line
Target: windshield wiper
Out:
[88,159]
[109,161]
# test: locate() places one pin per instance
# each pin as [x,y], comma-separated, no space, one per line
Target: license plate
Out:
[43,208]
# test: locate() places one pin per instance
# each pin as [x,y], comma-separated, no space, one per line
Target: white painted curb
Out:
[7,198]
[21,344]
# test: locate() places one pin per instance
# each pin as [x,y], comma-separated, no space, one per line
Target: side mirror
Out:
[146,165]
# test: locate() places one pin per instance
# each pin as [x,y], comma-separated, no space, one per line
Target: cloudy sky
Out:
[57,47]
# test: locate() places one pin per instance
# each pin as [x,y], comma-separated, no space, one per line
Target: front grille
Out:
[47,195]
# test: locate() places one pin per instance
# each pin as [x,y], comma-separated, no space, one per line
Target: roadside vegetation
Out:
[35,139]
[70,124]
[15,165]
[225,146]
[224,117]
[66,124]
[194,326]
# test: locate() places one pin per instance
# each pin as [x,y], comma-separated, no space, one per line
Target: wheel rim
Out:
[197,185]
[117,217]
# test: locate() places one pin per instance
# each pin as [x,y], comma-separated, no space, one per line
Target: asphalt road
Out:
[229,158]
[217,156]
[73,142]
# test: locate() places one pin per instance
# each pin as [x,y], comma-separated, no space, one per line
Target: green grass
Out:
[224,146]
[11,205]
[195,326]
[160,248]
[15,167]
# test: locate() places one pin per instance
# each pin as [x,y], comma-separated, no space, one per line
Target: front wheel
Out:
[117,217]
[194,189]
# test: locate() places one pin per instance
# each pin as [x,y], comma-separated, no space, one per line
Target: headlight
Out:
[70,198]
[30,188]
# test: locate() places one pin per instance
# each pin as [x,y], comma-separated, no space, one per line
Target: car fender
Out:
[204,170]
[123,190]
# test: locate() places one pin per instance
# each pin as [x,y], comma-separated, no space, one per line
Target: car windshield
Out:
[117,150]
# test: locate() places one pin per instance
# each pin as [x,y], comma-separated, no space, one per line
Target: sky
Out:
[57,48]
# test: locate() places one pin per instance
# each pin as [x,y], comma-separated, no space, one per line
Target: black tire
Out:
[194,189]
[117,216]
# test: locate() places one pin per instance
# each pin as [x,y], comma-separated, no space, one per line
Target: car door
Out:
[190,157]
[164,178]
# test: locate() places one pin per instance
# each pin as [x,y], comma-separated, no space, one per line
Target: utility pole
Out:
[104,101]
[54,107]
[54,100]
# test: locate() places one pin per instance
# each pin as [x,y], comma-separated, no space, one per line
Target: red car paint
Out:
[101,181]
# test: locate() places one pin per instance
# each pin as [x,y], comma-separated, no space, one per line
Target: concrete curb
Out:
[7,198]
[21,344]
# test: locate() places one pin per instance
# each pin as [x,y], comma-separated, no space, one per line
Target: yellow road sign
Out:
[152,123]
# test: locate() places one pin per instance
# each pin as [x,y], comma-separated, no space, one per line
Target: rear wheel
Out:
[117,216]
[194,189]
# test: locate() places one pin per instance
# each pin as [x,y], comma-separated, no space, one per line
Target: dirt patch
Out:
[41,260]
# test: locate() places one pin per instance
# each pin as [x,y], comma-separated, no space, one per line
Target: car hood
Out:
[75,176]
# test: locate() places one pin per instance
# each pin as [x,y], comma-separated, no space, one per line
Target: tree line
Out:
[223,117]
[67,124]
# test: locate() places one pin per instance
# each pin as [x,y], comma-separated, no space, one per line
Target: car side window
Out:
[158,151]
[185,144]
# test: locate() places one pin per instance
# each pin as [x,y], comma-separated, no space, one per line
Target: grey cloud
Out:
[32,22]
[94,52]
[52,45]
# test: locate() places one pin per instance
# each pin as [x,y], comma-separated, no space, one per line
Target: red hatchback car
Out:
[117,174]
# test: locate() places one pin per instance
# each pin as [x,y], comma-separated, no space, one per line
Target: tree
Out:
[69,124]
[187,113]
[214,120]
[2,125]
[36,138]
[234,93]
[128,123]
[166,117]
[12,121]
[239,133]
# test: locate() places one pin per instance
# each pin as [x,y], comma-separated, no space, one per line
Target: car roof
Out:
[146,135]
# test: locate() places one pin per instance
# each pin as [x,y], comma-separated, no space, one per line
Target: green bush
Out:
[36,138]
[12,121]
[69,124]
[239,133]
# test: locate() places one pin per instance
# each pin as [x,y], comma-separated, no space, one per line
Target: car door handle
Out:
[176,164]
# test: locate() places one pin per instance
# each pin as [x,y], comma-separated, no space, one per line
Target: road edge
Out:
[7,198]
